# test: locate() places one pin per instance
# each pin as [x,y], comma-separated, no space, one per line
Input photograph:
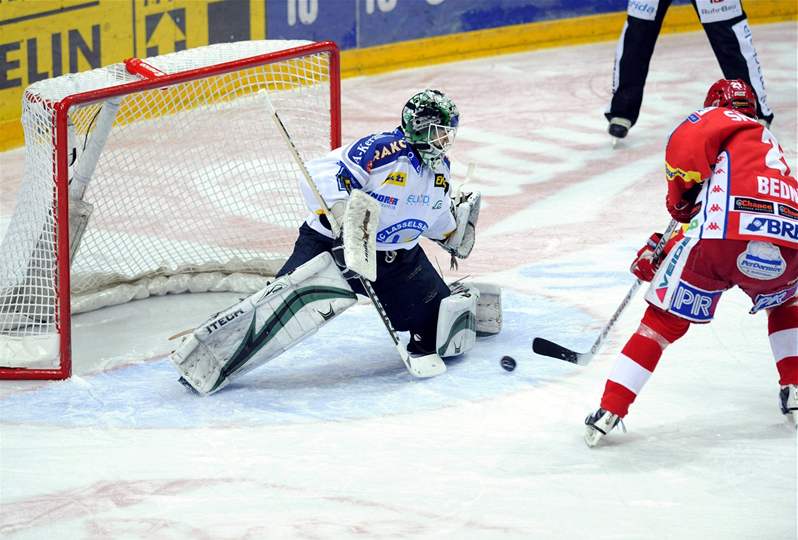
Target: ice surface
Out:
[336,440]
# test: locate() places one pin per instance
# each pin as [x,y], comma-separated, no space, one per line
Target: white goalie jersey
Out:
[414,199]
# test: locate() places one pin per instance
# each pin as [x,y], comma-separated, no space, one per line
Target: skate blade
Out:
[592,436]
[615,141]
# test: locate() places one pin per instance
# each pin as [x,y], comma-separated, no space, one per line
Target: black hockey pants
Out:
[408,286]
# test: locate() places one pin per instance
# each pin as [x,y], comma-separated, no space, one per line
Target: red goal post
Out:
[137,186]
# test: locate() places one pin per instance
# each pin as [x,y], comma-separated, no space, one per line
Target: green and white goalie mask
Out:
[429,122]
[260,327]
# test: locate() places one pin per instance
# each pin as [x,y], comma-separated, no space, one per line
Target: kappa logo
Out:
[713,226]
[715,208]
[717,189]
[719,170]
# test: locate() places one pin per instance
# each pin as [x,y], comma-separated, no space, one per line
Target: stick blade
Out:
[549,348]
[424,367]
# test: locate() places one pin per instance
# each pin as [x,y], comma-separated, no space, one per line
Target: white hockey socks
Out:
[262,326]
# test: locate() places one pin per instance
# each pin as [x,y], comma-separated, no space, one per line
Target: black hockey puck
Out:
[508,363]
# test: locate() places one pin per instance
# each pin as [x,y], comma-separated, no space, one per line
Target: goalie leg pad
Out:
[262,326]
[457,321]
[489,308]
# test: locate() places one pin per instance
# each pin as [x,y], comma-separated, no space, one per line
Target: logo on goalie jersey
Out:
[396,178]
[404,231]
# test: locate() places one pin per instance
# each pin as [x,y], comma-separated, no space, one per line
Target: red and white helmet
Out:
[732,94]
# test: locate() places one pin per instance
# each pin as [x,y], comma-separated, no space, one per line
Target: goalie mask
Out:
[732,94]
[429,122]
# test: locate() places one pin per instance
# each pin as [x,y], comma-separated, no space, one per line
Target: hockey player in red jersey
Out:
[729,183]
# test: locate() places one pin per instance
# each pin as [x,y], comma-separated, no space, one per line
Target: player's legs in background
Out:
[732,43]
[783,335]
[411,291]
[632,59]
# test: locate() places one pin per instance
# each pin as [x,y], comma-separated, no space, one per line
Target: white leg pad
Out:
[489,306]
[457,322]
[262,326]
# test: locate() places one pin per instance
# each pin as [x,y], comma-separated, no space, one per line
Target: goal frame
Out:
[63,305]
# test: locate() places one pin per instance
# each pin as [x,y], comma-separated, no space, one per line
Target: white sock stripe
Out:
[629,374]
[616,71]
[784,343]
[744,39]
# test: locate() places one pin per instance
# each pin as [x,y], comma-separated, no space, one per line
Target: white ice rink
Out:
[334,440]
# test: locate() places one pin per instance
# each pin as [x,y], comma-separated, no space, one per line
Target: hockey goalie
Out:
[370,202]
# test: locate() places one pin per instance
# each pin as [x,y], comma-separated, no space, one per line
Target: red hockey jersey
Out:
[748,190]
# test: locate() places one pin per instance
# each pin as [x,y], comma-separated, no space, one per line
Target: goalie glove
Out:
[460,242]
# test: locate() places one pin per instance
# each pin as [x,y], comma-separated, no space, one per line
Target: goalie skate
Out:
[599,424]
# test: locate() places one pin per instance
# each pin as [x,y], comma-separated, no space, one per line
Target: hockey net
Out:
[182,181]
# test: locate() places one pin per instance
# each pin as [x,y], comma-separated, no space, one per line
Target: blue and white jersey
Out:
[414,198]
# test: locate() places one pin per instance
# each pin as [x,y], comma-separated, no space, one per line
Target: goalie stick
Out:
[549,348]
[421,366]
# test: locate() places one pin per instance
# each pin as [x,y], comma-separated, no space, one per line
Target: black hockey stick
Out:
[549,348]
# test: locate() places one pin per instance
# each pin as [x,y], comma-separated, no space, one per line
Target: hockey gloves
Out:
[644,267]
[460,242]
[684,208]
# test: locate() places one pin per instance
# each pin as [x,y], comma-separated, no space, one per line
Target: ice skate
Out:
[599,424]
[788,397]
[618,128]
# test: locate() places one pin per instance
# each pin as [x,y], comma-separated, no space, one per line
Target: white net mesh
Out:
[192,184]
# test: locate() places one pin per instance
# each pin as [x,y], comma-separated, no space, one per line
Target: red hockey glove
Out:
[682,211]
[644,267]
[682,207]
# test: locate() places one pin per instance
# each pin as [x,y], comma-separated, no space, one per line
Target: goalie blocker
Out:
[262,326]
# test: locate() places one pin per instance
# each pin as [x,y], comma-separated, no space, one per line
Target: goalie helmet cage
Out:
[166,179]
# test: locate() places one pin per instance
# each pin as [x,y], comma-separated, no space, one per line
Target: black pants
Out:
[638,42]
[408,286]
